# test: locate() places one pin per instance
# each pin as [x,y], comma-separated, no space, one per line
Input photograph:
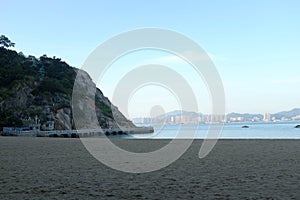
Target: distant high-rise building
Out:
[267,117]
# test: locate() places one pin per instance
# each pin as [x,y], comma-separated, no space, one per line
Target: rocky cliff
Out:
[40,89]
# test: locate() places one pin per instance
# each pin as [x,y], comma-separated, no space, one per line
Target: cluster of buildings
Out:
[180,119]
[267,117]
[207,119]
[30,124]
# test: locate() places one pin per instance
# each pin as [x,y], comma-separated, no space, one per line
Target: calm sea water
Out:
[278,130]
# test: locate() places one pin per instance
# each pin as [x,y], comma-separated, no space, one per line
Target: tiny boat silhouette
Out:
[298,126]
[245,126]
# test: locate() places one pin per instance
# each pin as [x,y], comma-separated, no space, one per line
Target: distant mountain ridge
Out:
[276,116]
[288,114]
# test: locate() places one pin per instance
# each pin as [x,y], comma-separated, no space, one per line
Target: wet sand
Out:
[57,168]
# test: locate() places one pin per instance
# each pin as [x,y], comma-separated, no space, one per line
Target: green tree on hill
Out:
[5,42]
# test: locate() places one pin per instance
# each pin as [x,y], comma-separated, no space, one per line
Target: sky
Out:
[253,44]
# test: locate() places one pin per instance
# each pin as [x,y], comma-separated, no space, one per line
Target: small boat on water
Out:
[298,126]
[245,126]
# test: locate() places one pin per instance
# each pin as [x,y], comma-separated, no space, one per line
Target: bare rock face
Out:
[91,108]
[83,101]
[63,119]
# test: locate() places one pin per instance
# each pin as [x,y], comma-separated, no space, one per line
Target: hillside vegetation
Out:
[42,88]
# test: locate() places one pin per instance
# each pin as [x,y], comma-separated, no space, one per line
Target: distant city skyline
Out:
[184,117]
[254,45]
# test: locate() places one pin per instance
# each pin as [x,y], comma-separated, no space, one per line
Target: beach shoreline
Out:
[55,168]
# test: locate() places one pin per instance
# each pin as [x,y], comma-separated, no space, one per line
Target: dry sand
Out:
[54,168]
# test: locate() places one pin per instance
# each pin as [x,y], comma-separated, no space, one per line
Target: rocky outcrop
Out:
[45,88]
[63,119]
[91,107]
[92,110]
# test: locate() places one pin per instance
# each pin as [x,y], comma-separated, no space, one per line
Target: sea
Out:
[255,130]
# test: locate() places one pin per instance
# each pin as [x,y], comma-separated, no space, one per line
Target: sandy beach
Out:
[58,168]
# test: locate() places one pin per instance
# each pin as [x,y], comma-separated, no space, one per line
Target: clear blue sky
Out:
[254,44]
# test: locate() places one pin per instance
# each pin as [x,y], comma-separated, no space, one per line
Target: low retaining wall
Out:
[80,133]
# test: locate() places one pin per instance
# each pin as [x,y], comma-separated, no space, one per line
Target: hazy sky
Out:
[255,45]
